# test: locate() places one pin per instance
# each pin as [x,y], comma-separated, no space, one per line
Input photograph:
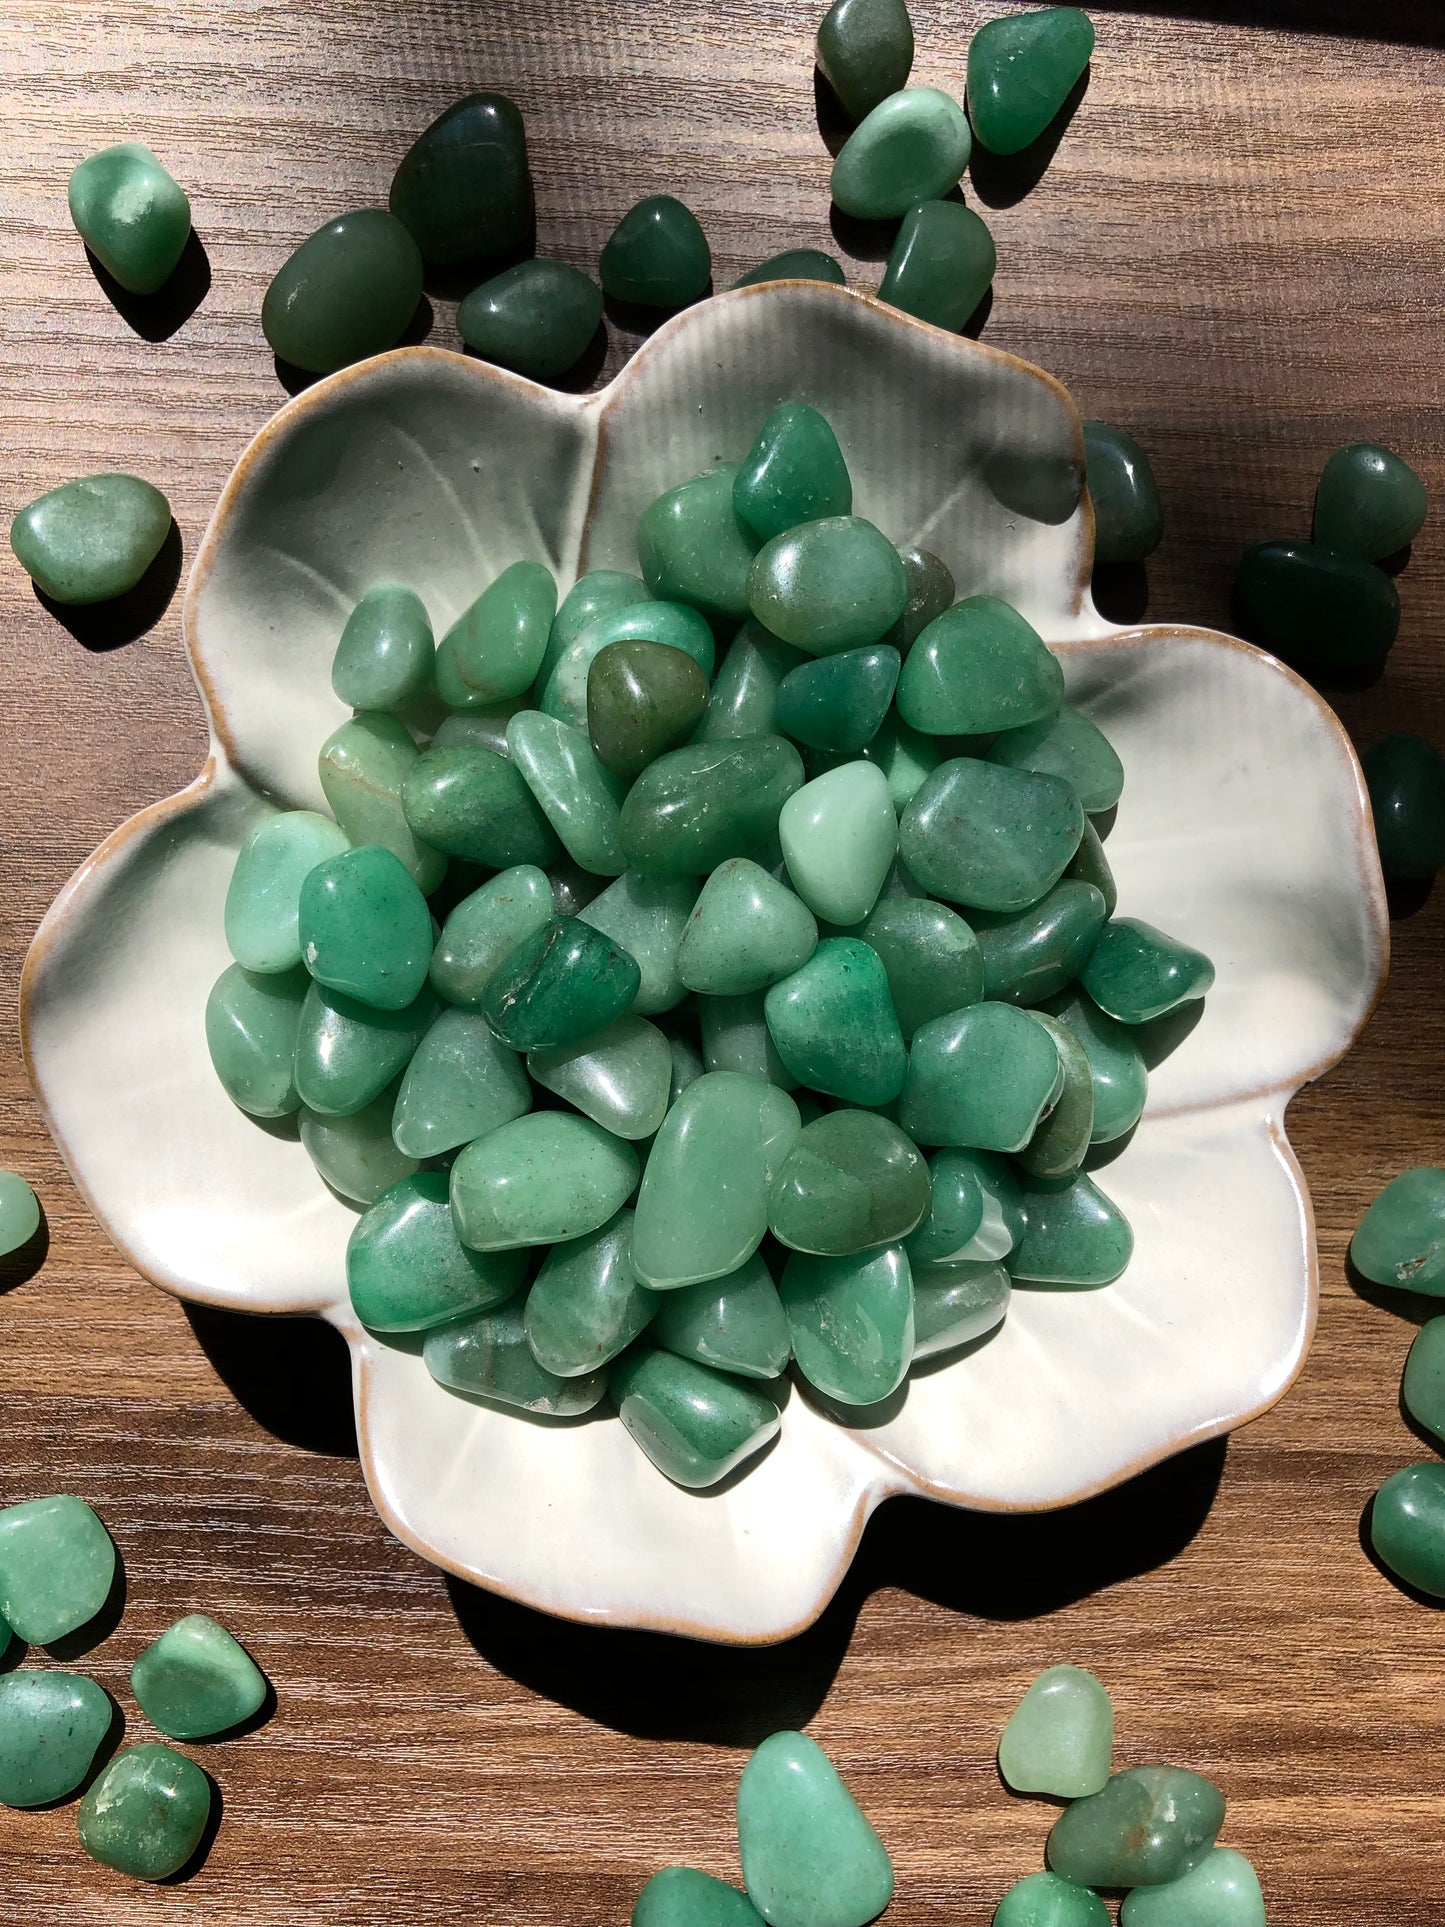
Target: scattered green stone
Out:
[349,291]
[1222,1891]
[1074,1236]
[484,927]
[146,1813]
[196,1680]
[1128,515]
[1368,502]
[865,51]
[1326,613]
[1121,1079]
[683,1897]
[980,1078]
[460,1084]
[538,318]
[1035,953]
[657,255]
[851,1318]
[1401,1238]
[1149,1825]
[794,472]
[406,1268]
[746,931]
[1058,1147]
[563,983]
[795,264]
[91,540]
[931,956]
[913,146]
[253,1022]
[734,1035]
[385,655]
[692,548]
[587,1305]
[365,928]
[852,1180]
[486,1357]
[643,698]
[620,1077]
[1423,1386]
[839,836]
[827,585]
[347,1053]
[735,1324]
[538,1180]
[839,702]
[696,807]
[263,898]
[131,214]
[956,1304]
[1405,776]
[988,837]
[1070,746]
[19,1222]
[1044,1900]
[833,1024]
[56,1567]
[495,648]
[941,264]
[1407,1526]
[744,695]
[810,1858]
[1021,70]
[356,1153]
[463,188]
[580,799]
[363,767]
[979,667]
[51,1727]
[1060,1738]
[646,917]
[695,1424]
[1136,973]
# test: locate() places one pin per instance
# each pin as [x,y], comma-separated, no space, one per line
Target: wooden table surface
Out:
[1238,253]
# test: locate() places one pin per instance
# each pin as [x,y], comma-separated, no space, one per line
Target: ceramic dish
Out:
[1244,829]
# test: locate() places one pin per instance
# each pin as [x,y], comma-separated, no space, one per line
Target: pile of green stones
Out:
[723,948]
[146,1812]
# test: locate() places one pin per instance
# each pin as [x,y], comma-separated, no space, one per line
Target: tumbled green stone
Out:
[19,1222]
[851,1318]
[91,540]
[474,803]
[131,214]
[1074,1235]
[349,291]
[579,798]
[906,758]
[1128,516]
[795,264]
[463,187]
[674,624]
[810,1858]
[56,1567]
[460,1084]
[145,1814]
[956,1304]
[913,146]
[590,596]
[703,1206]
[1058,1147]
[406,1268]
[486,1356]
[941,264]
[692,548]
[252,1025]
[975,1214]
[988,837]
[365,928]
[1401,1238]
[1033,954]
[687,1066]
[683,1897]
[347,1052]
[363,767]
[1407,1526]
[657,255]
[620,1077]
[833,584]
[833,1024]
[1045,1900]
[744,694]
[794,472]
[643,698]
[538,1180]
[696,807]
[979,667]
[1222,1891]
[646,916]
[746,931]
[356,1153]
[494,649]
[1368,501]
[1060,1737]
[865,51]
[484,927]
[839,836]
[1423,1387]
[981,1077]
[197,1680]
[484,728]
[538,318]
[563,983]
[930,591]
[1149,1824]
[696,1425]
[586,1304]
[734,1035]
[385,655]
[1070,746]
[1020,72]
[1325,612]
[736,1324]
[1121,1078]
[1137,973]
[1405,776]
[839,701]
[851,1180]
[51,1727]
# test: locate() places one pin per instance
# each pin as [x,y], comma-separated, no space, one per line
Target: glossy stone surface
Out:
[463,188]
[1070,746]
[906,758]
[852,1180]
[743,699]
[646,917]
[486,1356]
[696,1425]
[461,1083]
[538,318]
[363,766]
[794,472]
[979,667]
[1148,1825]
[196,1680]
[696,807]
[988,837]
[955,1211]
[1407,1526]
[643,699]
[56,1567]
[734,1035]
[538,1180]
[51,1727]
[1401,1238]
[1128,515]
[620,1077]
[681,628]
[406,1268]
[981,1077]
[1020,72]
[384,658]
[692,548]
[482,728]
[264,895]
[941,264]
[839,836]
[1423,1387]
[913,146]
[580,799]
[145,1814]
[833,584]
[735,1323]
[865,51]
[356,1154]
[1368,501]
[347,1052]
[91,540]
[1405,776]
[1059,1739]
[746,931]
[810,1858]
[839,702]
[494,649]
[131,214]
[590,596]
[365,929]
[1058,1147]
[833,1024]
[1137,972]
[931,956]
[586,1304]
[1045,1900]
[252,1024]
[484,927]
[795,264]
[956,1304]
[349,291]
[1328,614]
[1074,1235]
[1121,1079]
[683,1897]
[1222,1891]
[657,255]
[931,590]
[19,1222]
[562,984]
[851,1318]
[1035,953]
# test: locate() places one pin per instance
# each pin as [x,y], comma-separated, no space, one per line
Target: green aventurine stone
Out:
[494,649]
[979,667]
[51,1727]
[1020,72]
[475,804]
[365,928]
[196,1680]
[538,318]
[692,548]
[695,1424]
[1060,1738]
[1057,1148]
[131,214]
[1073,1236]
[146,1813]
[586,1305]
[484,927]
[1405,776]
[363,766]
[911,147]
[810,1858]
[263,899]
[657,255]
[734,1035]
[736,1324]
[744,694]
[940,265]
[1423,1386]
[955,1304]
[643,698]
[1222,1891]
[460,1084]
[19,1222]
[696,807]
[988,837]
[703,1206]
[976,1214]
[683,1897]
[56,1567]
[252,1024]
[347,1052]
[840,701]
[91,540]
[833,584]
[1128,516]
[563,983]
[680,628]
[463,188]
[1044,1900]
[349,291]
[356,1154]
[406,1268]
[865,51]
[851,1318]
[852,1180]
[795,264]
[1368,502]
[538,1180]
[1066,745]
[839,836]
[906,759]
[1148,1825]
[1036,953]
[1137,973]
[833,1024]
[931,956]
[746,931]
[385,655]
[1407,1526]
[579,798]
[794,472]
[484,728]
[1401,1238]
[930,591]
[981,1078]
[590,596]
[486,1356]
[1325,612]
[620,1077]
[1121,1078]
[646,916]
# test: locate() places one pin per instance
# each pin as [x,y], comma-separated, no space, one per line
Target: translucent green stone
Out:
[486,1357]
[956,1304]
[484,927]
[941,264]
[839,701]
[463,187]
[696,807]
[252,1026]
[564,983]
[1401,1238]
[1035,953]
[852,1321]
[460,1084]
[975,1214]
[828,585]
[683,1897]
[833,1024]
[646,916]
[1407,1526]
[1060,1738]
[1137,973]
[356,1153]
[1091,865]
[865,51]
[1325,612]
[349,291]
[981,1077]
[693,549]
[586,1305]
[51,1727]
[1121,1079]
[494,649]
[590,596]
[1406,780]
[839,837]
[906,758]
[347,1052]
[365,928]
[406,1268]
[581,799]
[735,1037]
[744,696]
[1128,515]
[657,255]
[538,1180]
[643,698]
[810,1858]
[484,728]
[474,803]
[1070,746]
[746,931]
[1044,1900]
[91,540]
[1222,1891]
[1368,501]
[1073,1236]
[930,592]
[384,658]
[1148,1825]
[736,1324]
[131,214]
[620,1077]
[913,146]
[851,1180]
[794,472]
[19,1222]
[56,1567]
[703,1206]
[680,628]
[1020,72]
[988,837]
[196,1680]
[795,264]
[696,1425]
[363,766]
[145,1814]
[538,317]
[979,667]
[1058,1147]
[1423,1387]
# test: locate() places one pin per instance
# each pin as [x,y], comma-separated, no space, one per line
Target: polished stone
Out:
[565,692]
[1066,745]
[462,1082]
[131,214]
[56,1567]
[839,836]
[538,1180]
[941,264]
[687,1066]
[980,1078]
[988,837]
[620,1077]
[564,983]
[406,1268]
[913,146]
[833,1024]
[1061,1142]
[1128,515]
[746,931]
[483,728]
[486,1356]
[365,929]
[643,699]
[1074,1236]
[586,1304]
[1059,1739]
[1407,1526]
[580,799]
[252,1025]
[264,895]
[865,51]
[851,1318]
[976,668]
[91,540]
[145,1815]
[363,766]
[810,1858]
[931,590]
[839,702]
[646,917]
[197,1680]
[696,807]
[1401,1238]
[734,1035]
[1148,1825]
[495,647]
[1137,973]
[347,1052]
[852,1180]
[1222,1891]
[735,1323]
[837,583]
[51,1728]
[1405,776]
[1328,614]
[683,1897]
[956,1304]
[1422,1390]
[463,188]
[794,264]
[349,291]
[657,256]
[1121,1078]
[794,472]
[1034,954]
[538,318]
[976,1214]
[696,1425]
[19,1222]
[356,1154]
[744,696]
[484,927]
[1045,1900]
[1368,502]
[385,656]
[592,595]
[692,548]
[1021,70]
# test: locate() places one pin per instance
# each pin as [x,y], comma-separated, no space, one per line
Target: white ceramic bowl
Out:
[1244,829]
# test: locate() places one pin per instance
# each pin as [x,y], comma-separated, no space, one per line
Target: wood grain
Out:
[1237,253]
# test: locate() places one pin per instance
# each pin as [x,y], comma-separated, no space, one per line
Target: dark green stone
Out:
[463,188]
[1128,515]
[989,837]
[406,1268]
[1035,953]
[51,1727]
[1057,1148]
[696,807]
[1400,1240]
[930,591]
[794,264]
[384,658]
[980,1079]
[495,648]
[146,1813]
[1091,865]
[590,596]
[695,1424]
[956,1304]
[1074,1235]
[1406,780]
[979,667]
[91,540]
[852,1321]
[558,986]
[131,214]
[1368,502]
[838,702]
[1137,973]
[851,1180]
[932,958]
[865,51]
[538,318]
[1148,1825]
[828,585]
[365,929]
[692,548]
[1423,1386]
[1066,745]
[683,1897]
[579,797]
[474,803]
[1121,1078]
[669,624]
[1324,612]
[1407,1526]
[834,1026]
[349,291]
[643,698]
[1020,72]
[657,255]
[252,1022]
[348,1052]
[794,472]
[976,1212]
[941,264]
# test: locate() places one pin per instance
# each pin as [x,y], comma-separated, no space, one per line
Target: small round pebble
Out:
[146,1813]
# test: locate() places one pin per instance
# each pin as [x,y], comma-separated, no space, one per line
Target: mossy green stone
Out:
[363,767]
[580,799]
[484,927]
[463,188]
[539,318]
[1401,1238]
[744,696]
[1128,515]
[349,291]
[646,917]
[356,1153]
[1405,776]
[913,146]
[1021,70]
[146,1813]
[941,264]
[795,264]
[735,1323]
[1407,1526]
[990,838]
[474,803]
[1091,865]
[540,1180]
[1147,1825]
[643,699]
[976,1214]
[980,1078]
[746,931]
[461,1083]
[253,1022]
[91,540]
[683,1897]
[696,807]
[696,1425]
[1137,973]
[734,1035]
[586,1304]
[385,656]
[839,702]
[19,1222]
[1074,1236]
[979,667]
[1222,1891]
[1368,502]
[365,928]
[51,1728]
[834,1027]
[1059,1739]
[56,1567]
[620,1077]
[657,255]
[839,836]
[196,1680]
[1070,746]
[956,1304]
[865,51]
[485,1356]
[1046,1900]
[1033,954]
[852,1180]
[671,624]
[1423,1387]
[563,983]
[851,1318]
[794,472]
[1058,1147]
[832,584]
[810,1858]
[348,1052]
[692,548]
[494,649]
[131,214]
[1121,1078]
[406,1268]
[1328,614]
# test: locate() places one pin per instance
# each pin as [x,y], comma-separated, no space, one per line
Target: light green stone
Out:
[735,1324]
[1060,1737]
[852,1180]
[975,1214]
[590,596]
[349,291]
[839,836]
[1121,1078]
[838,702]
[473,803]
[347,1052]
[696,1425]
[852,1321]
[692,548]
[538,1180]
[657,256]
[486,1357]
[384,658]
[586,1305]
[795,264]
[19,1222]
[932,958]
[146,1813]
[363,766]
[1423,1387]
[744,696]
[1401,1238]
[131,214]
[833,584]
[252,1026]
[580,798]
[406,1268]
[1066,745]
[539,317]
[1368,501]
[461,1083]
[484,927]
[646,916]
[865,51]
[956,1304]
[1128,515]
[1407,1526]
[1021,70]
[56,1567]
[1058,1146]
[365,929]
[734,1035]
[1031,955]
[495,648]
[810,1858]
[1137,973]
[263,898]
[794,472]
[1045,1900]
[356,1154]
[51,1727]
[564,983]
[833,1024]
[620,1077]
[1074,1236]
[683,1897]
[941,264]
[980,1078]
[911,147]
[988,837]
[93,539]
[979,667]
[696,807]
[1148,1825]
[746,931]
[196,1680]
[1222,1891]
[671,625]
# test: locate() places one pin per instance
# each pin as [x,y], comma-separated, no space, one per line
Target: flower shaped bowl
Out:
[1244,829]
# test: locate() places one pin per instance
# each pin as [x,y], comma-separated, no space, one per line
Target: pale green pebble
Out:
[462,1082]
[810,1858]
[93,539]
[620,1077]
[494,648]
[746,931]
[19,1222]
[743,700]
[1047,1900]
[264,895]
[1222,1891]
[484,927]
[839,835]
[385,656]
[253,1021]
[580,799]
[362,767]
[586,1304]
[673,624]
[683,1897]
[197,1680]
[487,1357]
[646,917]
[357,1155]
[540,1179]
[1060,1737]
[56,1567]
[589,596]
[735,1323]
[735,1037]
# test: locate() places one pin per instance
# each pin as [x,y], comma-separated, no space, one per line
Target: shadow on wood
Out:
[293,1375]
[1002,180]
[1416,23]
[102,626]
[18,1267]
[156,317]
